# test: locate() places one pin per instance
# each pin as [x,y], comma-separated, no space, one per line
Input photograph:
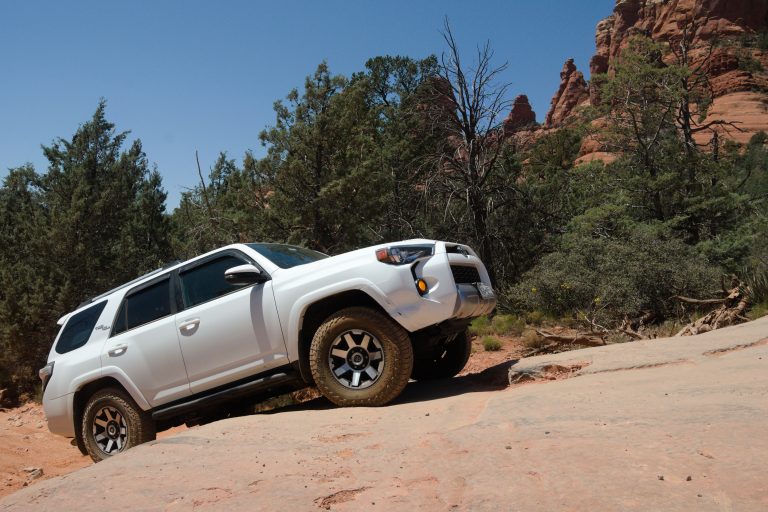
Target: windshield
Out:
[287,256]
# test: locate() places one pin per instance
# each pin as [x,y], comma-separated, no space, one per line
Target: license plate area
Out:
[486,292]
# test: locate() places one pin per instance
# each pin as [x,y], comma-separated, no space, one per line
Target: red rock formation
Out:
[521,116]
[664,20]
[573,92]
[728,21]
[738,86]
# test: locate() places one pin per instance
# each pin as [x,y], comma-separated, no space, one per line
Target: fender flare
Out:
[300,307]
[123,379]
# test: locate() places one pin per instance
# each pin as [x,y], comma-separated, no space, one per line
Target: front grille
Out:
[463,274]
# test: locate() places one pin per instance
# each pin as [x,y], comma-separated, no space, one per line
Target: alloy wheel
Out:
[356,359]
[110,430]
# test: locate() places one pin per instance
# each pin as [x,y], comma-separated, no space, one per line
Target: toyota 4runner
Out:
[249,321]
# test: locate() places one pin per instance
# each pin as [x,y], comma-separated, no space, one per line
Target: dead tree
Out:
[730,311]
[468,107]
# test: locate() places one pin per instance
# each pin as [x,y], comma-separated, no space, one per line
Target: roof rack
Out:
[129,283]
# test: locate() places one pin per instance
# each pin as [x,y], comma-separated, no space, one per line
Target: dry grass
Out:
[532,340]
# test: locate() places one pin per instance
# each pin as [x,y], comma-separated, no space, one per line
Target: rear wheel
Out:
[448,360]
[113,423]
[360,357]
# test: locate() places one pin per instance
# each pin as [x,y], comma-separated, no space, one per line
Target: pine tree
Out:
[95,219]
[326,191]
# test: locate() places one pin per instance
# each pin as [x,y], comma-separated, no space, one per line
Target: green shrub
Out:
[499,325]
[507,325]
[755,275]
[749,64]
[758,282]
[480,326]
[752,40]
[491,344]
[762,40]
[535,317]
[758,311]
[615,266]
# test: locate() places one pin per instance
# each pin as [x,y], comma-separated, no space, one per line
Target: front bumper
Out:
[470,303]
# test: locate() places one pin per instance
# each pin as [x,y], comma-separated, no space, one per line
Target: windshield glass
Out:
[287,256]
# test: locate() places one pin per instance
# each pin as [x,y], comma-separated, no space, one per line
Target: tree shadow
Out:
[494,378]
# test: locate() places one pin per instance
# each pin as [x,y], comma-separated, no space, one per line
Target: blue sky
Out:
[191,75]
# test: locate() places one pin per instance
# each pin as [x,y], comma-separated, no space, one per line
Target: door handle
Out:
[117,351]
[189,326]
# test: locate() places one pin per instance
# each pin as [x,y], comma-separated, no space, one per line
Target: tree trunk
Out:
[480,218]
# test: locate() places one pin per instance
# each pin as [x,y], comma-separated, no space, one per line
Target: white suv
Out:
[253,320]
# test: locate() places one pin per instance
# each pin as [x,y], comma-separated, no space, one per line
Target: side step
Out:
[225,395]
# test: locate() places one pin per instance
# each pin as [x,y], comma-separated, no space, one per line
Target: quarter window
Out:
[144,306]
[78,328]
[207,282]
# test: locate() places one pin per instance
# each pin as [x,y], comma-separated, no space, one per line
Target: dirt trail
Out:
[26,443]
[625,430]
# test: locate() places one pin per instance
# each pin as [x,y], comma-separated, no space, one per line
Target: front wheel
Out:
[450,358]
[360,357]
[112,423]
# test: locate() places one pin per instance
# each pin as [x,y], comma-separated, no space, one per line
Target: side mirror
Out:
[243,275]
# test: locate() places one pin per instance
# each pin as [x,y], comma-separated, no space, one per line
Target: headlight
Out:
[404,254]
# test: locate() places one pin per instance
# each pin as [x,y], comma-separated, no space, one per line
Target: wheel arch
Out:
[318,311]
[81,398]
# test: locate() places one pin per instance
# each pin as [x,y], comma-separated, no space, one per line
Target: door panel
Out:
[151,357]
[144,345]
[229,337]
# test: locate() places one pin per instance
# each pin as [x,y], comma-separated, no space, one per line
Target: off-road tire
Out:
[140,427]
[397,357]
[445,365]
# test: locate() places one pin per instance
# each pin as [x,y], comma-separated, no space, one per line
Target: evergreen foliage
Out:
[95,219]
[386,154]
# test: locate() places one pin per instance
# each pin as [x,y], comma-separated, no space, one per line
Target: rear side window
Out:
[144,306]
[78,328]
[206,282]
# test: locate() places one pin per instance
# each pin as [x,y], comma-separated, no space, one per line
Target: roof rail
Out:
[129,283]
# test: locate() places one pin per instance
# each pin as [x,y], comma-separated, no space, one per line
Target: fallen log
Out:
[731,311]
[699,301]
[633,328]
[578,338]
[631,333]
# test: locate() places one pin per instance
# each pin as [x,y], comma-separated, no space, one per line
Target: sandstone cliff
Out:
[729,37]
